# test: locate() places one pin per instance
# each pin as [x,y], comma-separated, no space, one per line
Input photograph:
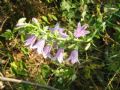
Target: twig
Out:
[112,79]
[1,27]
[27,82]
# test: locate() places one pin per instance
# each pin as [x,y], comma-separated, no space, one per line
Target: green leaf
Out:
[8,35]
[18,68]
[66,5]
[74,77]
[87,46]
[117,27]
[21,20]
[45,19]
[71,46]
[54,17]
[45,70]
[24,50]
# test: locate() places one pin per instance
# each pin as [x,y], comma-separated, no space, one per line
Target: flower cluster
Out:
[43,46]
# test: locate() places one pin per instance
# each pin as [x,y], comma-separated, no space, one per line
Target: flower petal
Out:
[55,28]
[46,51]
[30,41]
[62,34]
[73,58]
[39,46]
[59,55]
[81,30]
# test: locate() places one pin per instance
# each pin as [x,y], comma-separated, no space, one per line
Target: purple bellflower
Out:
[46,51]
[39,45]
[73,58]
[59,55]
[57,26]
[60,30]
[81,30]
[30,41]
[62,34]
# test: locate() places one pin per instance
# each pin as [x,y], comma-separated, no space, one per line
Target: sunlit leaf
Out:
[45,19]
[87,46]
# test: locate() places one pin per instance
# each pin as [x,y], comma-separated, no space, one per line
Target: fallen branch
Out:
[27,82]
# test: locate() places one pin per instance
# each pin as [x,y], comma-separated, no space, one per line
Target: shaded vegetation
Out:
[99,54]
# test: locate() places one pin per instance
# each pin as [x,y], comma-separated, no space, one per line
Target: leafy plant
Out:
[19,68]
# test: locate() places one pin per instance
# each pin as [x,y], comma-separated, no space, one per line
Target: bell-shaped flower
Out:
[81,30]
[46,51]
[59,55]
[60,30]
[73,58]
[62,34]
[30,41]
[39,45]
[57,26]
